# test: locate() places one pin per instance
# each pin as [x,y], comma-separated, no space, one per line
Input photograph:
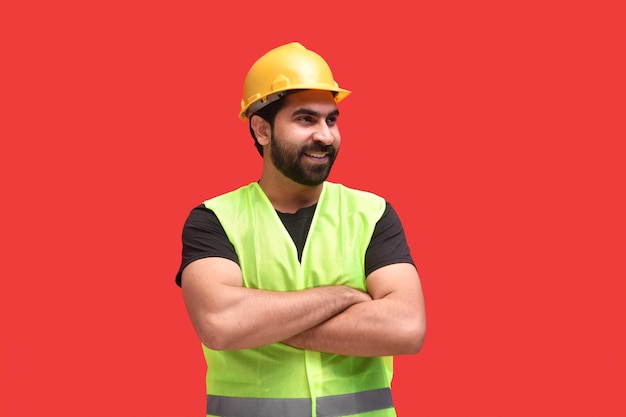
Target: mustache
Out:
[319,147]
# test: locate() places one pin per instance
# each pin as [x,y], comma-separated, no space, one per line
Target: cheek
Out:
[337,137]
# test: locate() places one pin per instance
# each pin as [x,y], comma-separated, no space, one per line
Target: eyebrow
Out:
[310,112]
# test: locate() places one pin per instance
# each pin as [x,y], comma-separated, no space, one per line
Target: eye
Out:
[331,121]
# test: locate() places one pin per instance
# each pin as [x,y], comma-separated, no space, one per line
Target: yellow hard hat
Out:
[287,67]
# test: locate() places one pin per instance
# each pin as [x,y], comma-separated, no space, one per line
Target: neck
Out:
[288,196]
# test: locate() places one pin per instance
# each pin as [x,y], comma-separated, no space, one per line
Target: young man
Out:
[301,290]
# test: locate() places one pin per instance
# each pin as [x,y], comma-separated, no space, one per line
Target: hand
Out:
[361,296]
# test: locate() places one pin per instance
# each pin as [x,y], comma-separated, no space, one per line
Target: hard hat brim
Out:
[258,104]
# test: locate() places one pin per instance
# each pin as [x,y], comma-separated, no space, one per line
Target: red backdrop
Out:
[494,127]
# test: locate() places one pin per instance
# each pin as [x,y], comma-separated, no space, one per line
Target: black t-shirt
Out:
[204,237]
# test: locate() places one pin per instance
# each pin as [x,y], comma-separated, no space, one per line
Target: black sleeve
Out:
[204,237]
[388,245]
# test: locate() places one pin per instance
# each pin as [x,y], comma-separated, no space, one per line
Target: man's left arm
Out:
[392,323]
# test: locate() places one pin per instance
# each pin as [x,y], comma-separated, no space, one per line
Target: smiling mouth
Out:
[317,155]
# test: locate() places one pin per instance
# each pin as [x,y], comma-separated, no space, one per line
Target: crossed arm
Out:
[387,320]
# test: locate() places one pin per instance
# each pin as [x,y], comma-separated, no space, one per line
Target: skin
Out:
[387,320]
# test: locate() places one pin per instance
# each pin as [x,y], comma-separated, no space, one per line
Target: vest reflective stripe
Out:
[222,406]
[359,402]
[332,406]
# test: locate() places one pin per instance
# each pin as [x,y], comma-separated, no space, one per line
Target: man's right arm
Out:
[227,316]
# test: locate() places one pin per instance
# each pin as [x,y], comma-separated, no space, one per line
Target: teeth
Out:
[317,155]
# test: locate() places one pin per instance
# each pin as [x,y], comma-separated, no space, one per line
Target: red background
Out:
[496,129]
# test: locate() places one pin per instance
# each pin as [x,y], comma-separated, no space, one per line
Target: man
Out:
[301,290]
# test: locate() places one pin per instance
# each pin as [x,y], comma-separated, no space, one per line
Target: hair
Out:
[268,113]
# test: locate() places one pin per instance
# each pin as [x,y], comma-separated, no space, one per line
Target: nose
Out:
[323,133]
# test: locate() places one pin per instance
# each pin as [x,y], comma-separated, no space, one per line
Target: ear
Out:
[261,129]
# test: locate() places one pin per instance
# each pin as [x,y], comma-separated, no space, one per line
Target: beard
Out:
[289,160]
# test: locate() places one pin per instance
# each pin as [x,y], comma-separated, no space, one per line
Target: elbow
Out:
[418,341]
[215,335]
[214,343]
[413,339]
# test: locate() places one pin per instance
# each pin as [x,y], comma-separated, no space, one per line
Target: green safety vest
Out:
[279,380]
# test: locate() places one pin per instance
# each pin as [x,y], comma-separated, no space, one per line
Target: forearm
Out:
[241,318]
[392,323]
[374,328]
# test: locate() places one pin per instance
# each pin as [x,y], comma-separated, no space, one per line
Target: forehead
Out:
[318,100]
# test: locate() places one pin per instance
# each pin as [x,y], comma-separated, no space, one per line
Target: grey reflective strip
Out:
[332,406]
[359,402]
[259,407]
[259,104]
